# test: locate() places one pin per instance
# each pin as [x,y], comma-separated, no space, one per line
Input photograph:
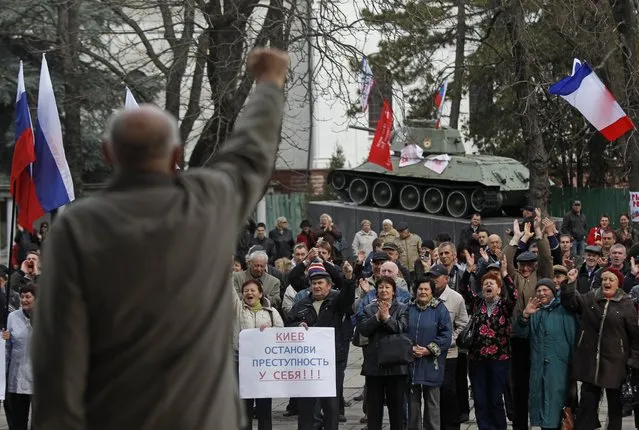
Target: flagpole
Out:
[8,284]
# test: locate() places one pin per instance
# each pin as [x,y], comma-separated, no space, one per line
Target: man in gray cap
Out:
[449,403]
[589,278]
[530,268]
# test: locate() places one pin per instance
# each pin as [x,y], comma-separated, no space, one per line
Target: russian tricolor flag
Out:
[584,90]
[439,101]
[22,187]
[50,171]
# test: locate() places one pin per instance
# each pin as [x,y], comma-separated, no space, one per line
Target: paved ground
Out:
[353,386]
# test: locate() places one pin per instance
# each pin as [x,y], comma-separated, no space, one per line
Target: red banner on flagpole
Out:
[380,149]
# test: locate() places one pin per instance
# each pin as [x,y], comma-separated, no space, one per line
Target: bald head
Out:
[389,269]
[146,138]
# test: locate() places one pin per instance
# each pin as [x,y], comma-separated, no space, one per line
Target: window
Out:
[383,90]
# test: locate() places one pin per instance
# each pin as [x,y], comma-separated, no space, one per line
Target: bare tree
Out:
[528,113]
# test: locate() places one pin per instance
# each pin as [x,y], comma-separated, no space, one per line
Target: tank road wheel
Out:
[433,200]
[338,181]
[359,191]
[409,197]
[457,204]
[383,194]
[478,199]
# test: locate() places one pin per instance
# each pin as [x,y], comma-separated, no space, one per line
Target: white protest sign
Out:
[634,206]
[287,362]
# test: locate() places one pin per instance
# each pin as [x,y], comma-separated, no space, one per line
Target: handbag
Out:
[466,337]
[359,340]
[395,349]
[629,391]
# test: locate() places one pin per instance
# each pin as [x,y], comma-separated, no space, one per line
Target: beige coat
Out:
[409,248]
[134,308]
[388,236]
[526,287]
[245,318]
[456,306]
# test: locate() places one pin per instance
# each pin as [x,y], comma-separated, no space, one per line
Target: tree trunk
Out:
[624,13]
[537,157]
[68,28]
[597,166]
[458,76]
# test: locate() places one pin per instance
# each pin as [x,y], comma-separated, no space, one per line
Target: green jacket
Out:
[552,331]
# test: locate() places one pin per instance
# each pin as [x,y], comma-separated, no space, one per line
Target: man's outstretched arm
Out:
[241,170]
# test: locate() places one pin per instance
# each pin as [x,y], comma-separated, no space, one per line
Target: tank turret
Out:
[469,183]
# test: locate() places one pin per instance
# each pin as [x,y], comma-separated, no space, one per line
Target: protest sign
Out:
[634,206]
[287,362]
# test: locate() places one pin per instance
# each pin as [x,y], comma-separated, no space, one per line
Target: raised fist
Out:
[268,65]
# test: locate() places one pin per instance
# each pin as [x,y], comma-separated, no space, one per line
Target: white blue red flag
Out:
[51,172]
[22,187]
[584,90]
[440,96]
[129,100]
[366,84]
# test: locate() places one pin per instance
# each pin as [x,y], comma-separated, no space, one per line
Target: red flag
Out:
[22,186]
[380,149]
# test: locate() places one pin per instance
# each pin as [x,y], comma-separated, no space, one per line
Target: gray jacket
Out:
[134,311]
[18,354]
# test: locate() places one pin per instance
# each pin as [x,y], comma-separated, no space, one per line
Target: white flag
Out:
[366,84]
[129,100]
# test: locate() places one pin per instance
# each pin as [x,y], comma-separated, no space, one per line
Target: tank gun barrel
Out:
[359,127]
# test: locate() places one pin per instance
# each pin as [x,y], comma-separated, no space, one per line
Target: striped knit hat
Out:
[316,270]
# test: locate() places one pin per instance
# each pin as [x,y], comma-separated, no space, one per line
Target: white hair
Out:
[387,221]
[257,255]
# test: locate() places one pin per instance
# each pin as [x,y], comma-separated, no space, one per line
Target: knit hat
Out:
[615,272]
[545,282]
[316,270]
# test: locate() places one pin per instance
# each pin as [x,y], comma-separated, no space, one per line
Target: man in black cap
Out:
[589,273]
[576,225]
[530,268]
[394,252]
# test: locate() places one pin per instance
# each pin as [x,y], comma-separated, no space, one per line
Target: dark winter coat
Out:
[552,331]
[374,329]
[608,338]
[575,225]
[431,327]
[585,282]
[283,243]
[491,340]
[336,307]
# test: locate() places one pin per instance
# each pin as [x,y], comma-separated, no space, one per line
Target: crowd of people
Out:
[21,280]
[523,317]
